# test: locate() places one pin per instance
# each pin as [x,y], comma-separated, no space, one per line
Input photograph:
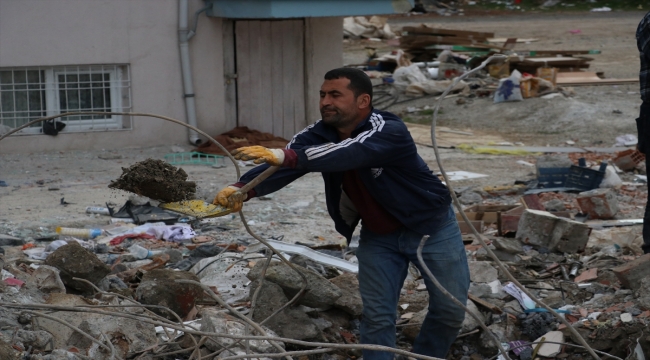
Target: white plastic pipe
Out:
[186,70]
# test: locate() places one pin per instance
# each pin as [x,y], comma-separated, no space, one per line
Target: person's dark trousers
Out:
[643,130]
[383,265]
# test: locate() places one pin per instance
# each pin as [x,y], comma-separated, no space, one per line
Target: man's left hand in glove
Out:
[260,154]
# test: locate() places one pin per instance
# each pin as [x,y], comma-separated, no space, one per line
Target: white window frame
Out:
[113,122]
[52,97]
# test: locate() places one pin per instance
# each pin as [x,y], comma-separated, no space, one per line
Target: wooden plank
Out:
[449,32]
[243,72]
[518,41]
[557,52]
[288,80]
[294,79]
[603,82]
[277,76]
[556,61]
[589,78]
[465,229]
[229,71]
[495,309]
[423,40]
[300,113]
[265,79]
[255,44]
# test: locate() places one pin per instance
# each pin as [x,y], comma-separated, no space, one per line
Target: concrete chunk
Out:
[598,203]
[219,322]
[350,302]
[73,261]
[630,274]
[482,272]
[321,293]
[536,227]
[159,287]
[543,229]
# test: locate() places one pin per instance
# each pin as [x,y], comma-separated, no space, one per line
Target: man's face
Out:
[338,105]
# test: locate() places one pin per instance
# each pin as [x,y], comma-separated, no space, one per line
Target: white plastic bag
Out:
[611,179]
[508,89]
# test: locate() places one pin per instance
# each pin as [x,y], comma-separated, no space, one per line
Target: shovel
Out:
[202,209]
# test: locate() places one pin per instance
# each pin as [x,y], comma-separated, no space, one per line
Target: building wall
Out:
[323,52]
[141,33]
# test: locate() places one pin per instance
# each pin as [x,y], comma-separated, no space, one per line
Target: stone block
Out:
[8,352]
[159,287]
[509,245]
[218,322]
[470,323]
[536,227]
[74,261]
[598,203]
[412,331]
[631,273]
[350,301]
[545,230]
[46,279]
[482,272]
[291,322]
[570,236]
[321,293]
[129,336]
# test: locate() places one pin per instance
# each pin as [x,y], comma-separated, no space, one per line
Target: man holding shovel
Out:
[373,174]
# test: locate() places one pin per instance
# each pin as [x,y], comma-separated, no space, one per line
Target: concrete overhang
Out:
[286,9]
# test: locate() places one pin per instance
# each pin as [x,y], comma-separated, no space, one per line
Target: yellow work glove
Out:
[231,198]
[260,154]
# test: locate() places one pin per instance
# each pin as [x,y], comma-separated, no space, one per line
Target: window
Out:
[27,94]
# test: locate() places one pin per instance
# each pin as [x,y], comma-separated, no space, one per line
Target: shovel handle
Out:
[261,177]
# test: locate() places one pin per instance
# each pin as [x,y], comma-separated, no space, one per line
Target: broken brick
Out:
[630,274]
[591,274]
[598,203]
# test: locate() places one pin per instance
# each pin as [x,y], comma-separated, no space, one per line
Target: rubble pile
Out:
[433,56]
[129,288]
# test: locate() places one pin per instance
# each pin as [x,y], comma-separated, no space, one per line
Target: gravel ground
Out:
[38,182]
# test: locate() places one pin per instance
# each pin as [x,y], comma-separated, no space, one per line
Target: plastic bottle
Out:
[141,253]
[97,210]
[79,233]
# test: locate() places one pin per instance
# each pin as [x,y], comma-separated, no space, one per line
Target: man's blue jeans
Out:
[383,265]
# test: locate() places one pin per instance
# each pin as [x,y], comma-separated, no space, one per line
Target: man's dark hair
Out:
[359,81]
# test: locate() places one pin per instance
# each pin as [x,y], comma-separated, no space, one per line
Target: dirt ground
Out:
[53,189]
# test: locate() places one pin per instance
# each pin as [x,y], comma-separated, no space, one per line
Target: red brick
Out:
[598,203]
[630,274]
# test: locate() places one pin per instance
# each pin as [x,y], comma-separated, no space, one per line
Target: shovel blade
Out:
[196,208]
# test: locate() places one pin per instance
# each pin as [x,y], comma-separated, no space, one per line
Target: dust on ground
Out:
[593,116]
[38,182]
[157,180]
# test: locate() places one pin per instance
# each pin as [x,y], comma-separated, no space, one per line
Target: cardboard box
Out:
[499,71]
[488,214]
[529,87]
[464,228]
[548,74]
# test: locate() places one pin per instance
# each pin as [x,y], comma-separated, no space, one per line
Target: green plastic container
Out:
[194,158]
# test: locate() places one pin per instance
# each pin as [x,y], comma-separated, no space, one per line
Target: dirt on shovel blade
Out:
[156,180]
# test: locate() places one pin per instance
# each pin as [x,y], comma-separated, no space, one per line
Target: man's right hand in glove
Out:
[231,198]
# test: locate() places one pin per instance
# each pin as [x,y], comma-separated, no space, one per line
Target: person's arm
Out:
[643,36]
[385,144]
[275,182]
